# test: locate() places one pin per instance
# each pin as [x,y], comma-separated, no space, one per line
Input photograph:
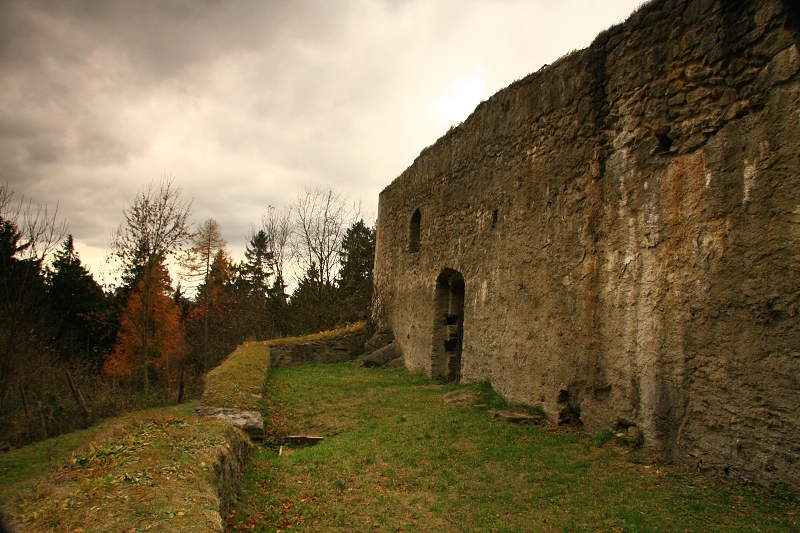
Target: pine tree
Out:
[255,271]
[311,307]
[253,285]
[77,302]
[354,281]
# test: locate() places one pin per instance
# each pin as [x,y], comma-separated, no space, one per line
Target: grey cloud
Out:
[245,100]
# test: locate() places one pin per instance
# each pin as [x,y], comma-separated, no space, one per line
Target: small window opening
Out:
[413,232]
[450,345]
[664,142]
[494,219]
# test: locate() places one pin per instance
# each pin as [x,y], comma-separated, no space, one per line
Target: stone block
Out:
[250,422]
[782,67]
[383,337]
[383,356]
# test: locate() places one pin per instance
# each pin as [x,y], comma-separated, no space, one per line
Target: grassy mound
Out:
[155,470]
[240,380]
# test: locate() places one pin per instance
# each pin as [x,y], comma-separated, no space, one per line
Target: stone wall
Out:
[616,238]
[336,349]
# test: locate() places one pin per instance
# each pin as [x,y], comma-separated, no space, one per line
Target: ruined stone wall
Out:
[626,223]
[335,349]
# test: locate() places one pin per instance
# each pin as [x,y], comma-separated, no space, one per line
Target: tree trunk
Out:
[76,394]
[27,413]
[180,389]
[41,415]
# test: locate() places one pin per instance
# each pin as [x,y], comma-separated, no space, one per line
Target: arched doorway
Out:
[448,328]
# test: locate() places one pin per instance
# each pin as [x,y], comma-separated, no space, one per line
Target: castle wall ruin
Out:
[617,238]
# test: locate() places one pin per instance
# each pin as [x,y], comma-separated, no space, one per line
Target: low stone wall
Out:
[338,349]
[231,464]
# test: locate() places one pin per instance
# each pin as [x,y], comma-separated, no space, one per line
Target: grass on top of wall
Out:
[153,470]
[240,380]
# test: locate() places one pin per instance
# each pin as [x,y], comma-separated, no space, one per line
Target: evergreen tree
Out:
[311,308]
[253,286]
[77,302]
[255,271]
[24,316]
[354,281]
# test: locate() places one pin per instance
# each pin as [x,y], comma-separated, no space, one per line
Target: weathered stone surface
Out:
[231,466]
[634,436]
[616,238]
[383,356]
[519,418]
[383,337]
[461,398]
[396,363]
[250,422]
[343,348]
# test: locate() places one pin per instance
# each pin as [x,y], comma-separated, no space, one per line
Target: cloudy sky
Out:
[245,101]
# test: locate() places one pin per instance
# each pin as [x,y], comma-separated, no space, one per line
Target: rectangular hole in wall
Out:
[450,345]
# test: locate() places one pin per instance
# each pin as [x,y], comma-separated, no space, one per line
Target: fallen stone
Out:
[519,418]
[461,398]
[382,356]
[634,436]
[396,363]
[383,337]
[248,421]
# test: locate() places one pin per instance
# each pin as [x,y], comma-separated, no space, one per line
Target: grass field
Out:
[397,458]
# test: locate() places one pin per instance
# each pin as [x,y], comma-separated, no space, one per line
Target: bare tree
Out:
[155,229]
[207,242]
[277,226]
[321,218]
[39,231]
[28,234]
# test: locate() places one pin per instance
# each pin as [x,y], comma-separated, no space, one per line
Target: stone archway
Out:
[448,328]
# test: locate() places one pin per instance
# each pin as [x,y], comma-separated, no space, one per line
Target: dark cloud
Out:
[243,101]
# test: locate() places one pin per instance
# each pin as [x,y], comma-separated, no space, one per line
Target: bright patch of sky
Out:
[246,102]
[458,100]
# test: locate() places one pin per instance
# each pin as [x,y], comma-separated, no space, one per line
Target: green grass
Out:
[153,470]
[240,380]
[396,458]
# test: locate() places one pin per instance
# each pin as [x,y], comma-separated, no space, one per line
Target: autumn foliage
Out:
[163,332]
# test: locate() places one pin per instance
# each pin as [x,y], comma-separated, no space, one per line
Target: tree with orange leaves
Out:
[215,324]
[154,230]
[163,331]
